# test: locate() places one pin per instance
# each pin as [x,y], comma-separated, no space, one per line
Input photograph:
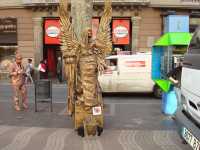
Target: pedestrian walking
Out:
[17,75]
[175,77]
[42,69]
[59,69]
[29,71]
[47,69]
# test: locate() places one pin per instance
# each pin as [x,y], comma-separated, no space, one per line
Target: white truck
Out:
[129,73]
[190,80]
[188,114]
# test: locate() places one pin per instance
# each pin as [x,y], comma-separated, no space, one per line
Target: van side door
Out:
[109,78]
[135,74]
[190,80]
[191,65]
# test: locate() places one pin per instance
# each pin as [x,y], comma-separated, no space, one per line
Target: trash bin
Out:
[43,92]
[169,103]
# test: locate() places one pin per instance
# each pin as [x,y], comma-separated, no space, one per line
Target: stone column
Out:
[38,39]
[135,33]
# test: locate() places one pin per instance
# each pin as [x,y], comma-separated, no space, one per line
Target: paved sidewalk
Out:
[132,122]
[128,126]
[32,138]
[59,92]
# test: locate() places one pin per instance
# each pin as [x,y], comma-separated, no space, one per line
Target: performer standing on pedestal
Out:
[84,59]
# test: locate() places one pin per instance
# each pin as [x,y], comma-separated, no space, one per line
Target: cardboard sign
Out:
[97,110]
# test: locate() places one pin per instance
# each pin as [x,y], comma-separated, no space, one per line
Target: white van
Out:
[129,73]
[190,80]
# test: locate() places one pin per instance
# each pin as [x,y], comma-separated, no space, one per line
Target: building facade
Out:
[26,25]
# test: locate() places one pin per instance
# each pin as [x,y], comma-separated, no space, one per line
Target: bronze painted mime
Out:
[17,75]
[84,60]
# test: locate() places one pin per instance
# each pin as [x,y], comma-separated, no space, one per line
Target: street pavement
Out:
[132,122]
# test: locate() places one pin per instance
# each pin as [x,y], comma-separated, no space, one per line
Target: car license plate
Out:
[190,139]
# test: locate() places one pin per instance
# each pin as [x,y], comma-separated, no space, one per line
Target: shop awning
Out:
[175,38]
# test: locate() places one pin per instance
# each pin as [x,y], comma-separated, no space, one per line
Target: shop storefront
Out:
[35,32]
[134,27]
[52,50]
[8,44]
[121,38]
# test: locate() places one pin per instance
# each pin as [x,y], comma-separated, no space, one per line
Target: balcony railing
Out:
[190,1]
[30,2]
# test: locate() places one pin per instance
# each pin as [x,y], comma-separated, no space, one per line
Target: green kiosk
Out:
[166,53]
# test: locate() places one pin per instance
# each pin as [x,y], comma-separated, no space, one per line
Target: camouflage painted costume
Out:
[17,74]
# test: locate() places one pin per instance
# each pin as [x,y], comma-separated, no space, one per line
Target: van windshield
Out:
[112,64]
[195,43]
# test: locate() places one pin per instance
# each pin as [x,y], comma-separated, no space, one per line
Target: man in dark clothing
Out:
[175,75]
[59,69]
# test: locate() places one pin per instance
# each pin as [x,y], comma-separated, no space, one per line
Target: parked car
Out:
[190,80]
[188,114]
[129,73]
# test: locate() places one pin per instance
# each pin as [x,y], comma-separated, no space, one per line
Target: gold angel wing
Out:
[103,34]
[68,38]
[70,49]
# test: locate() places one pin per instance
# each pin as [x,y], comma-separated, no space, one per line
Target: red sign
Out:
[135,63]
[108,71]
[52,31]
[95,26]
[121,31]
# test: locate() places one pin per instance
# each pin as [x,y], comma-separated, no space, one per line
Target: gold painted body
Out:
[84,60]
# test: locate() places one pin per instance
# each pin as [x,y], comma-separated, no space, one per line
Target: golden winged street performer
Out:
[84,60]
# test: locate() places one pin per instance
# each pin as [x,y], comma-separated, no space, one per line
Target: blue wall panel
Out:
[176,23]
[157,53]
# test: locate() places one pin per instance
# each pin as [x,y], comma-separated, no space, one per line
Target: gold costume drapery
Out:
[84,60]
